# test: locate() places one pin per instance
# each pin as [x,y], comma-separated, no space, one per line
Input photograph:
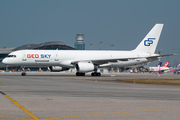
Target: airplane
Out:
[175,69]
[162,69]
[89,60]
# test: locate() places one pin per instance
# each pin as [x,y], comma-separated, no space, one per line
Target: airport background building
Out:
[79,44]
[54,45]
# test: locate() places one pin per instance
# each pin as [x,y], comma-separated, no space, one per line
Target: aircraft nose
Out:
[5,61]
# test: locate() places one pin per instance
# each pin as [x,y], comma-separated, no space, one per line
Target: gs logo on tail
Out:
[149,41]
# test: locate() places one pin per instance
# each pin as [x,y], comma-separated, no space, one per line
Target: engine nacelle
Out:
[57,68]
[85,67]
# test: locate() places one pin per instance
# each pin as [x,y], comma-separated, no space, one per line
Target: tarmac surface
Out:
[53,96]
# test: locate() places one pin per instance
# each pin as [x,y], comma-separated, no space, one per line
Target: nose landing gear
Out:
[23,72]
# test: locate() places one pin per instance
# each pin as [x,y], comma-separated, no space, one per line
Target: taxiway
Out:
[48,96]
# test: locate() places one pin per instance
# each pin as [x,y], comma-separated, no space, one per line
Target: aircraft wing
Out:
[98,62]
[162,55]
[104,61]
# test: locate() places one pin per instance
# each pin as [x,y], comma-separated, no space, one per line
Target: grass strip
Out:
[163,81]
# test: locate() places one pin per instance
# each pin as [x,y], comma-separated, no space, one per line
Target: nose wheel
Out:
[23,74]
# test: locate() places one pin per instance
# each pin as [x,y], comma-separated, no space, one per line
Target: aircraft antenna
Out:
[177,49]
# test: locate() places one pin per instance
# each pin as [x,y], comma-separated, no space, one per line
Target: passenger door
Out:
[56,57]
[24,56]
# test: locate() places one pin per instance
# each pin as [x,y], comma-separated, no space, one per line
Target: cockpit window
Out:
[11,56]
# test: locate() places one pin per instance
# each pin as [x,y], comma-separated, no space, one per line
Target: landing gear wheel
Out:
[80,74]
[95,74]
[23,71]
[23,74]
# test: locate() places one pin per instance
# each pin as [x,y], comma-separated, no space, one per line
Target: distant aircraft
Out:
[175,69]
[89,60]
[162,69]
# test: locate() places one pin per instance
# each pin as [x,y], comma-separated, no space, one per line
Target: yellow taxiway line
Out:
[110,113]
[2,83]
[76,116]
[20,106]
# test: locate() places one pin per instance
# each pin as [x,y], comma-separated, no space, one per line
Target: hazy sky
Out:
[123,23]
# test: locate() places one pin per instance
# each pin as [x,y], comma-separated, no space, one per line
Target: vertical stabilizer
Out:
[166,64]
[178,66]
[149,43]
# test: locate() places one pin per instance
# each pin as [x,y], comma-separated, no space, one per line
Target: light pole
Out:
[159,62]
[101,42]
[179,53]
[91,45]
[111,46]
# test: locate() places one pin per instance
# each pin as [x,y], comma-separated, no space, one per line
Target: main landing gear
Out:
[92,74]
[80,74]
[95,74]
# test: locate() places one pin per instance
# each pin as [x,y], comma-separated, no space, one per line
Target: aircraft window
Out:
[11,56]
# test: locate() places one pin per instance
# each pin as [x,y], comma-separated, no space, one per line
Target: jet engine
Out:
[85,67]
[57,68]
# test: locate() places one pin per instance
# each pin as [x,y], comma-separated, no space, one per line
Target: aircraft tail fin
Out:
[160,64]
[149,43]
[178,66]
[166,64]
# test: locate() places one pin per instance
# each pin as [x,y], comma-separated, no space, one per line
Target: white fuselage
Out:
[65,58]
